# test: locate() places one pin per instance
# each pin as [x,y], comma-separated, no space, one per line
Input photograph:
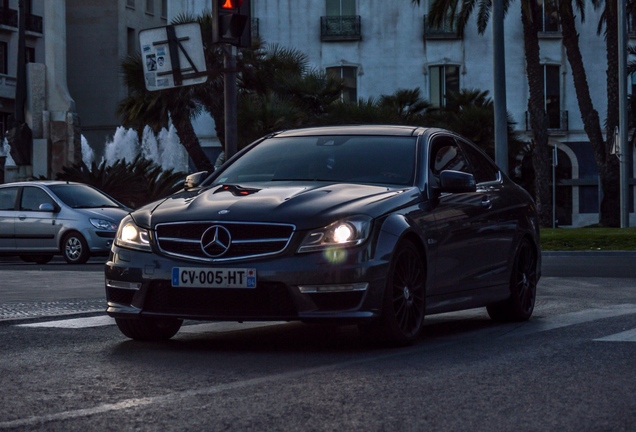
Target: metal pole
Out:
[625,149]
[554,164]
[229,87]
[499,94]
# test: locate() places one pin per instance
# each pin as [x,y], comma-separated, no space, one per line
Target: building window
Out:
[164,8]
[131,41]
[150,7]
[3,58]
[29,55]
[348,74]
[550,22]
[341,7]
[130,4]
[443,80]
[552,94]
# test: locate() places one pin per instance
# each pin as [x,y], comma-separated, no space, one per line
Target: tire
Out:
[404,302]
[523,288]
[75,249]
[38,259]
[149,329]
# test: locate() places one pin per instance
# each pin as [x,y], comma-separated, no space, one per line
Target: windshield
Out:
[82,196]
[342,159]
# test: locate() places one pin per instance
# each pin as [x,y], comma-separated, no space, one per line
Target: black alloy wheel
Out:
[523,287]
[404,298]
[75,249]
[149,329]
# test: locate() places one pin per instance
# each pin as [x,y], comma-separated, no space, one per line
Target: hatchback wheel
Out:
[404,298]
[523,287]
[75,249]
[149,329]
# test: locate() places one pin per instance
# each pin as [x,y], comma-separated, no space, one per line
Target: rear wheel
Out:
[149,329]
[404,298]
[523,287]
[75,249]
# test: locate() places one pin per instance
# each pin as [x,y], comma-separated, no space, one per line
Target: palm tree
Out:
[459,12]
[608,165]
[142,107]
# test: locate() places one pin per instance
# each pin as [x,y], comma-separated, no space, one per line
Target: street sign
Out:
[172,56]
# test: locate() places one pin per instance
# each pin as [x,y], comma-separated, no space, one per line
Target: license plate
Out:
[213,277]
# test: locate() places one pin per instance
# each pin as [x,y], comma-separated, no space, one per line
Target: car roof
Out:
[38,183]
[389,130]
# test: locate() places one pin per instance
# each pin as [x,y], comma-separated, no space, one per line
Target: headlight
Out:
[347,232]
[131,236]
[103,224]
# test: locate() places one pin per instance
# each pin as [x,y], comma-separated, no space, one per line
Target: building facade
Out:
[99,34]
[378,47]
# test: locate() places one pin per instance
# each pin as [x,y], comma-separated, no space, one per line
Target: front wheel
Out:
[149,329]
[523,287]
[75,249]
[404,298]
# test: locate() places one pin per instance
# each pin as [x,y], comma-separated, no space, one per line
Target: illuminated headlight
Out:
[347,232]
[103,224]
[131,236]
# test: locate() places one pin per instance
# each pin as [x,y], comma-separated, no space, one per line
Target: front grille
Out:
[248,240]
[266,300]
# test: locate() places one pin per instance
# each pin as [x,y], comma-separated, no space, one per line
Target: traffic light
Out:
[231,22]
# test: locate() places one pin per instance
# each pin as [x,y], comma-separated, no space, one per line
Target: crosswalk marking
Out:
[533,326]
[74,323]
[626,336]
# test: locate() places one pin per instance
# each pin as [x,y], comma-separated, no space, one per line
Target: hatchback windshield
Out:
[82,196]
[342,159]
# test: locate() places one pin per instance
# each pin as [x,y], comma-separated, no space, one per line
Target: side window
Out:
[32,197]
[484,169]
[446,155]
[7,198]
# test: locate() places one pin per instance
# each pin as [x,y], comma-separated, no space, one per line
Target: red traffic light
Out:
[230,4]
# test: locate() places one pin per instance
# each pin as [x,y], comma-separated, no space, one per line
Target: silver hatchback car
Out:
[40,219]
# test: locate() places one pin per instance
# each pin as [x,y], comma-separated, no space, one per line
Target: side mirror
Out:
[456,182]
[194,180]
[46,207]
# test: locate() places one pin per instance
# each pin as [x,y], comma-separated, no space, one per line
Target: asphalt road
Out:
[570,368]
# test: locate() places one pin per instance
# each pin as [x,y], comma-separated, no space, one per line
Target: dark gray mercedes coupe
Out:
[373,225]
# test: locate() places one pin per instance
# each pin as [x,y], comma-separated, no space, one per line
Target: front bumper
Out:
[138,284]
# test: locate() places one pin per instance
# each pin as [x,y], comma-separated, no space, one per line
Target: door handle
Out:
[486,203]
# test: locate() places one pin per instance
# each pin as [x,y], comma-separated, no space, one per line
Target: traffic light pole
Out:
[229,88]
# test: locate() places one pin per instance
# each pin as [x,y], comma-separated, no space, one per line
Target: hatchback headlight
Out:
[129,235]
[103,224]
[347,232]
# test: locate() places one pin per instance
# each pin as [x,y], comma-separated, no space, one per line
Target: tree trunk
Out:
[610,205]
[190,141]
[541,152]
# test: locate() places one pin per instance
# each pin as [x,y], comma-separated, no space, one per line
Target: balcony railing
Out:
[8,17]
[33,23]
[446,30]
[340,28]
[557,121]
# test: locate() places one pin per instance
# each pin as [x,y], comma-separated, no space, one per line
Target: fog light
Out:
[312,289]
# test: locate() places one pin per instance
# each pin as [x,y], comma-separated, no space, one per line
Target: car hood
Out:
[110,213]
[306,205]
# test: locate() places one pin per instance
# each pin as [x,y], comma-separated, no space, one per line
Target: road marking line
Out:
[30,422]
[537,325]
[626,336]
[74,323]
